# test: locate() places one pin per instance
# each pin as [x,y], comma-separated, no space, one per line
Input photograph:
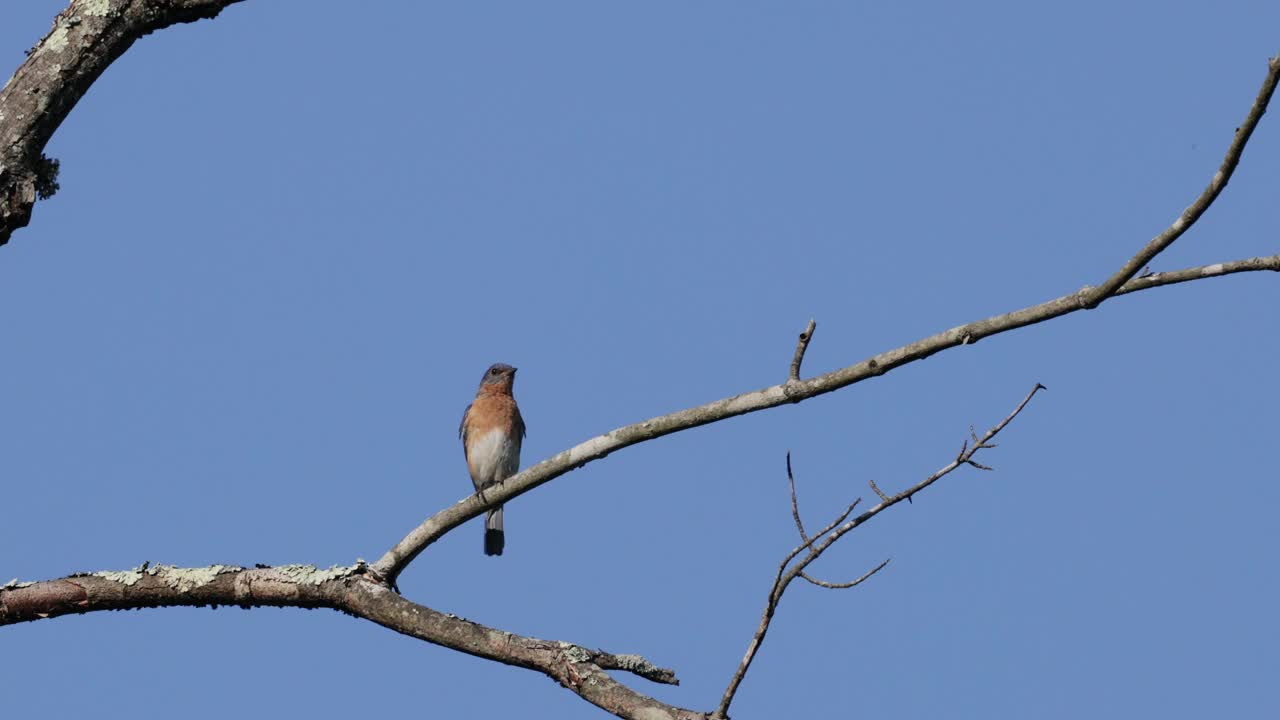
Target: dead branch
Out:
[829,535]
[350,590]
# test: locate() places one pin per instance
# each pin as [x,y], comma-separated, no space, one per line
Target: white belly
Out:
[492,457]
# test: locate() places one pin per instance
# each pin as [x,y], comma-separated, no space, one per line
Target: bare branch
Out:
[788,572]
[801,346]
[85,39]
[1094,297]
[433,528]
[350,590]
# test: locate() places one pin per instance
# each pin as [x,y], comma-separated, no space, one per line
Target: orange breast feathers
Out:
[493,411]
[493,431]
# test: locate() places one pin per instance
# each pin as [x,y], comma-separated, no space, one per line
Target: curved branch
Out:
[351,590]
[85,39]
[845,585]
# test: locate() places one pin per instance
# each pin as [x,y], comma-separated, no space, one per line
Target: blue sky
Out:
[288,241]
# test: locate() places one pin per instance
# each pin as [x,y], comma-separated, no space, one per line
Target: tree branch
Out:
[349,590]
[85,39]
[821,541]
[391,564]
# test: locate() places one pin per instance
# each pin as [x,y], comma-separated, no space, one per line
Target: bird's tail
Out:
[494,537]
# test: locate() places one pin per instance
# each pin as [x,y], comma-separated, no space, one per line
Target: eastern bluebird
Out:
[491,432]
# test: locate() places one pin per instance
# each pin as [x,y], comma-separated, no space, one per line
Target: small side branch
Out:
[829,535]
[636,665]
[877,490]
[795,506]
[802,344]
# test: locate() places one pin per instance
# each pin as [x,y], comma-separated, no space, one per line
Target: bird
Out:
[491,433]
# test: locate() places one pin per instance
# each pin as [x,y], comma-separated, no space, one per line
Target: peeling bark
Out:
[352,590]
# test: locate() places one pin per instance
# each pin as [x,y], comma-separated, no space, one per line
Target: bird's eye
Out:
[493,371]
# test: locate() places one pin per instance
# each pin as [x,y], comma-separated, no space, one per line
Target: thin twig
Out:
[878,490]
[801,346]
[846,585]
[795,508]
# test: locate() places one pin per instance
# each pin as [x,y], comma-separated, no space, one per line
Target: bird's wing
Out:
[462,426]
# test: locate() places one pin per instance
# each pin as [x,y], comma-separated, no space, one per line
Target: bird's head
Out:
[499,376]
